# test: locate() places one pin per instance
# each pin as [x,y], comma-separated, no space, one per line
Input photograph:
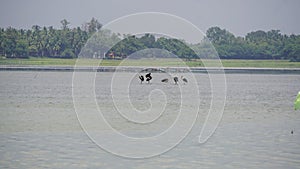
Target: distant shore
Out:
[248,70]
[153,65]
[157,62]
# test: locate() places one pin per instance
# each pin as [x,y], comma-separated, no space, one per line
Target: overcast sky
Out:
[237,16]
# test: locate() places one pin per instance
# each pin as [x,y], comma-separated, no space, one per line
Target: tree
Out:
[148,40]
[64,24]
[21,49]
[92,26]
[10,42]
[68,53]
[68,43]
[219,36]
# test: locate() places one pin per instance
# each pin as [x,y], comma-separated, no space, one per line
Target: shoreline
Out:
[247,70]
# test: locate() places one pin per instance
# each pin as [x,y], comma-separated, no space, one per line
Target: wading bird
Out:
[175,80]
[148,77]
[184,79]
[141,78]
[165,80]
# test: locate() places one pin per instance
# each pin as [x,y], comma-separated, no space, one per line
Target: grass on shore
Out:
[154,62]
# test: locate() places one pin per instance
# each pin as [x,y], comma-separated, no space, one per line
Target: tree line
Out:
[255,45]
[46,41]
[67,43]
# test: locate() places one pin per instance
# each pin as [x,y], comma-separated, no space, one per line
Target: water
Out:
[39,127]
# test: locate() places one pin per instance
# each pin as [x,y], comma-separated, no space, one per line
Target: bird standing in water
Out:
[184,79]
[148,77]
[141,78]
[175,80]
[165,80]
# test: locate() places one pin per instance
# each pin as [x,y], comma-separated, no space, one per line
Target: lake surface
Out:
[39,127]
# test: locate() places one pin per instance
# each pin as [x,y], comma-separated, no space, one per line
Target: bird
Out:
[141,78]
[184,79]
[175,80]
[165,80]
[292,132]
[148,77]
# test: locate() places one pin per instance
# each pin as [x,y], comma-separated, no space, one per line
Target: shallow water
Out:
[39,127]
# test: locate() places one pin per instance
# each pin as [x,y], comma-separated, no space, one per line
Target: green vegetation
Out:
[46,41]
[260,63]
[256,45]
[146,62]
[68,43]
[38,61]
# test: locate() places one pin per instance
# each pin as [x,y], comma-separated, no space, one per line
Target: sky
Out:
[237,16]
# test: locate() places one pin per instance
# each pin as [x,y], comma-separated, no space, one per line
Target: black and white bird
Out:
[165,80]
[175,80]
[141,78]
[148,77]
[184,79]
